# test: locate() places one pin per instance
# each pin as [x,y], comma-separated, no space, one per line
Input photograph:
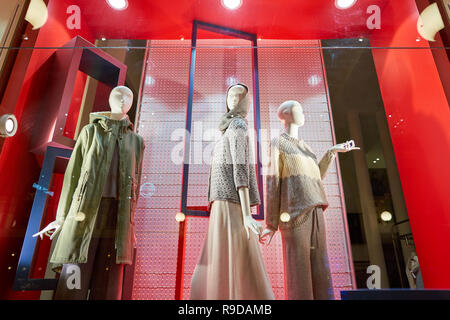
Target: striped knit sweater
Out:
[294,181]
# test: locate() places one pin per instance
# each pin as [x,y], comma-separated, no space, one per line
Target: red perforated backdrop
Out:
[288,73]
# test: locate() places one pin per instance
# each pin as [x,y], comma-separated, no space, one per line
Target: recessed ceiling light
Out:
[118,4]
[344,4]
[232,4]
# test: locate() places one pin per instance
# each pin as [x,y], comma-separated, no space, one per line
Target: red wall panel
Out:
[19,168]
[419,120]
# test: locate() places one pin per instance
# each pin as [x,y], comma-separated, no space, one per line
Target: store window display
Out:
[95,216]
[353,80]
[231,265]
[296,203]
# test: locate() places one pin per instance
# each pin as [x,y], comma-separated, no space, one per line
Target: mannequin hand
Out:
[250,223]
[344,147]
[51,230]
[266,233]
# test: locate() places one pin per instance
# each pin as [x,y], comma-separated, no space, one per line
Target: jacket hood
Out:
[241,110]
[103,118]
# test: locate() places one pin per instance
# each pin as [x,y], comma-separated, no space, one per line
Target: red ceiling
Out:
[269,19]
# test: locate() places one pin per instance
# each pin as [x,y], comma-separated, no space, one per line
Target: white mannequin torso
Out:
[291,115]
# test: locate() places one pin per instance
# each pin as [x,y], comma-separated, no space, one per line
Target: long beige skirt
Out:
[230,265]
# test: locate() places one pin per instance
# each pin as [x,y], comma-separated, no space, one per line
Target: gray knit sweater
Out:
[294,180]
[233,166]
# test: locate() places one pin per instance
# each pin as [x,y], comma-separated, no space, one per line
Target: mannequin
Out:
[235,95]
[295,191]
[413,272]
[230,265]
[95,216]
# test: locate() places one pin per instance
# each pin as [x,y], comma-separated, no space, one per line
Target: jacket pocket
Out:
[132,199]
[82,190]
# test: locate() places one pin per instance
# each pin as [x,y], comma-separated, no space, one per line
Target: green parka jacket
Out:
[83,185]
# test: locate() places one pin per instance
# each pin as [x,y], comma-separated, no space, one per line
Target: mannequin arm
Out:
[239,150]
[329,156]
[139,170]
[72,176]
[249,222]
[55,226]
[326,161]
[273,183]
[267,233]
[273,194]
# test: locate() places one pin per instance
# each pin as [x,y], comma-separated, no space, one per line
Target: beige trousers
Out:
[306,269]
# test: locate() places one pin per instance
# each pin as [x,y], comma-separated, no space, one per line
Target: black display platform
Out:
[395,294]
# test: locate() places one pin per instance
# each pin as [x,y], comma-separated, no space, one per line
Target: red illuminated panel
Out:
[162,112]
[418,116]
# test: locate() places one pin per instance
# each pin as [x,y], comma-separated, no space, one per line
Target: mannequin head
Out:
[237,99]
[120,100]
[291,112]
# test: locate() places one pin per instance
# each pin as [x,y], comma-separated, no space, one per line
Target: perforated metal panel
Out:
[285,74]
[162,112]
[296,74]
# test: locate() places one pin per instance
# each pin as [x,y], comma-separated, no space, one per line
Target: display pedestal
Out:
[395,294]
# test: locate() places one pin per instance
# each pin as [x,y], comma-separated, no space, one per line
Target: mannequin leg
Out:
[321,276]
[102,283]
[107,276]
[296,241]
[63,292]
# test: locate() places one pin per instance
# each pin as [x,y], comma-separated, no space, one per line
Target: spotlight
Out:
[430,22]
[37,14]
[386,216]
[344,4]
[8,125]
[180,217]
[232,4]
[118,4]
